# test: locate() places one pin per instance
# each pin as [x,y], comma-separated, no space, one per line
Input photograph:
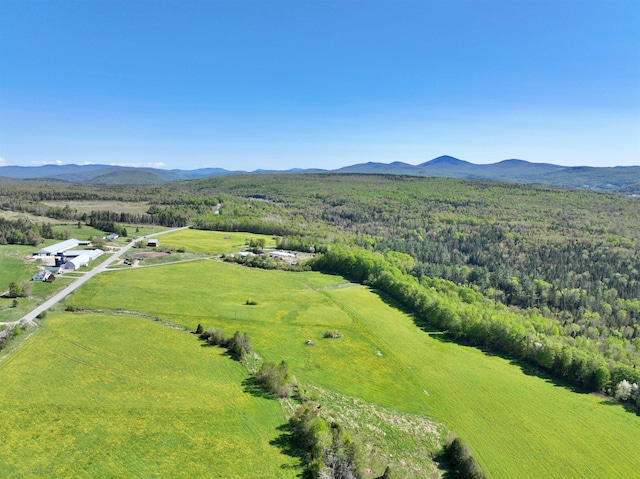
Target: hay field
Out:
[97,396]
[212,242]
[518,425]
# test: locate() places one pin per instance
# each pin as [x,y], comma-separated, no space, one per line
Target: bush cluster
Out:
[328,450]
[276,378]
[18,290]
[264,262]
[237,345]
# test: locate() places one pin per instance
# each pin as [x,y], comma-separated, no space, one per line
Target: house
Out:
[44,275]
[77,262]
[57,248]
[112,236]
[153,242]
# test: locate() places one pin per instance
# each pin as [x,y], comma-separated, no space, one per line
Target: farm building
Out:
[281,254]
[77,262]
[44,275]
[57,248]
[112,236]
[153,242]
[92,253]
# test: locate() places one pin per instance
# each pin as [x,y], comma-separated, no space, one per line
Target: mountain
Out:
[618,178]
[446,162]
[130,177]
[395,168]
[205,173]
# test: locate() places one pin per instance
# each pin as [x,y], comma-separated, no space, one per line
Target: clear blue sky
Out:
[281,84]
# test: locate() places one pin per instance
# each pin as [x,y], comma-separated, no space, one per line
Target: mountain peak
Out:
[445,160]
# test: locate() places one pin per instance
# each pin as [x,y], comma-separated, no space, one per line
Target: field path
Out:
[31,316]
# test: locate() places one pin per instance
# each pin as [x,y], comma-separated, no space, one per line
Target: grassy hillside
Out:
[517,425]
[95,396]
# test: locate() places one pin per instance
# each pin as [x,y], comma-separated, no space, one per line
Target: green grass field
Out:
[83,233]
[96,396]
[518,425]
[211,242]
[13,266]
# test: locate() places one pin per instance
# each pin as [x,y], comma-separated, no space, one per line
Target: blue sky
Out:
[283,84]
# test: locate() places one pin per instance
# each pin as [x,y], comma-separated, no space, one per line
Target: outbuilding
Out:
[153,243]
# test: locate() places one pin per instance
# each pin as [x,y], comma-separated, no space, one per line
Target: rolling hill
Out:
[512,170]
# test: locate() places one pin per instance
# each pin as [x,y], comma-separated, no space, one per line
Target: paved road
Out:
[30,317]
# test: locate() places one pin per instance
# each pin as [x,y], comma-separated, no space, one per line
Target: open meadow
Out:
[97,396]
[518,425]
[212,242]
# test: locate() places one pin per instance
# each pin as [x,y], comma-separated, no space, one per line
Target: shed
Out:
[153,242]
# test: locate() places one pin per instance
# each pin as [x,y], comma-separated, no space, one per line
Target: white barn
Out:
[57,248]
[77,262]
[91,253]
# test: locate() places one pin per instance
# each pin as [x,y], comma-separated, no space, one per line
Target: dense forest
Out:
[563,263]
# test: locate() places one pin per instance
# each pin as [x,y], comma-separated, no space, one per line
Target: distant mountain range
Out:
[619,178]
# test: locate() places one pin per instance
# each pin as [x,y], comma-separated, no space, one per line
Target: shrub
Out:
[332,334]
[16,290]
[462,461]
[239,345]
[214,337]
[329,450]
[42,314]
[276,378]
[251,302]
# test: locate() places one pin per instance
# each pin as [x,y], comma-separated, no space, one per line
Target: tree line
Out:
[474,319]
